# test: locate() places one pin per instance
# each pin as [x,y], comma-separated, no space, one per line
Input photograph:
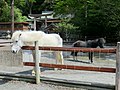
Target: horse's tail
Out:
[60,40]
[72,53]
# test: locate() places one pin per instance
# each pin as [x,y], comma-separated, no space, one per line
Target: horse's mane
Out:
[102,40]
[28,35]
[88,43]
[15,34]
[79,43]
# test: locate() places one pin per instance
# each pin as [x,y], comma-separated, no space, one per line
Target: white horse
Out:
[27,38]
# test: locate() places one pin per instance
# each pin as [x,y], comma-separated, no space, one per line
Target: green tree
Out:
[29,3]
[94,17]
[5,12]
[66,28]
[18,16]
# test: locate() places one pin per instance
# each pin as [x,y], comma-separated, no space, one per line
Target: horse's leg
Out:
[33,70]
[33,53]
[73,57]
[91,56]
[56,59]
[60,57]
[73,54]
[76,56]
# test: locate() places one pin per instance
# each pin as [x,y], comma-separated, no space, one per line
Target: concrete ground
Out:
[84,77]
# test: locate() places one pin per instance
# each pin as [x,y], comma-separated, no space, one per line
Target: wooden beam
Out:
[9,23]
[87,68]
[118,67]
[99,50]
[39,15]
[4,42]
[54,20]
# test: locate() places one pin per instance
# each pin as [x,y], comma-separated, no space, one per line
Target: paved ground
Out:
[73,75]
[85,76]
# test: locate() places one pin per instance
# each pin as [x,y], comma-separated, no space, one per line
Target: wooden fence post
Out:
[117,87]
[37,69]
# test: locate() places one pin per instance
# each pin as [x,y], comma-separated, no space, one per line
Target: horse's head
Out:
[101,42]
[17,42]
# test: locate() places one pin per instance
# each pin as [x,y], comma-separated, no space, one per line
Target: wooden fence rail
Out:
[99,50]
[87,68]
[73,67]
[4,42]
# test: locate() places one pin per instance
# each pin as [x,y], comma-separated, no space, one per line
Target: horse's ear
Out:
[20,35]
[105,37]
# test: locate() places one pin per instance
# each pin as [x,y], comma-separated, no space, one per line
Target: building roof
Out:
[53,20]
[39,15]
[14,23]
[51,27]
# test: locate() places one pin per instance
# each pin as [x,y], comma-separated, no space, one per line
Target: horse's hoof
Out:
[33,73]
[55,69]
[61,69]
[91,62]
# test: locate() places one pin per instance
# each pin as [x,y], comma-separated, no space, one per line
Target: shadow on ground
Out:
[28,72]
[79,61]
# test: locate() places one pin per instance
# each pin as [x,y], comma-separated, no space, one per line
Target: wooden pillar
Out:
[45,21]
[12,14]
[118,67]
[37,69]
[34,23]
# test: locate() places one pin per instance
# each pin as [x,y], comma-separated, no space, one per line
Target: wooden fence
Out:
[88,68]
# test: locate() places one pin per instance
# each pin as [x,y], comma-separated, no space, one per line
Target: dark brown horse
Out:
[88,44]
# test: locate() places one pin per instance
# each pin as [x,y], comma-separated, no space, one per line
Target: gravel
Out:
[20,85]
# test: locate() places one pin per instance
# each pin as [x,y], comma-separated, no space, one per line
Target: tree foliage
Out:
[5,12]
[94,17]
[66,28]
[22,9]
